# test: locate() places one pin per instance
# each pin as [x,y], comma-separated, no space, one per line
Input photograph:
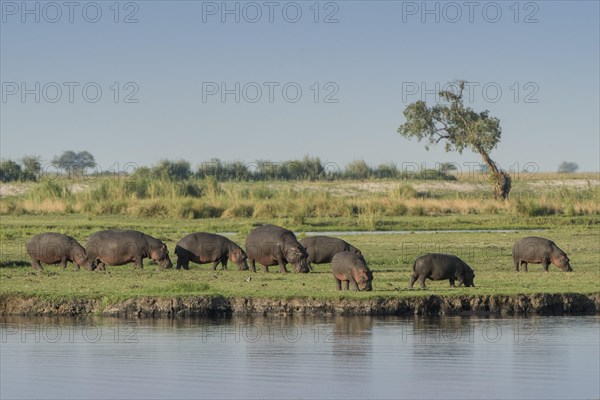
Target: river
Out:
[329,358]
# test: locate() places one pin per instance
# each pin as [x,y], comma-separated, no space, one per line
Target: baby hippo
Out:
[351,269]
[438,267]
[56,248]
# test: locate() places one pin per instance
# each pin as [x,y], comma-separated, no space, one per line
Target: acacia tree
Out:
[461,128]
[74,163]
[568,167]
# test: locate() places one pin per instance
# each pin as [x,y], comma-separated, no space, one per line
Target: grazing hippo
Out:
[118,247]
[438,267]
[351,269]
[202,248]
[536,250]
[321,249]
[55,248]
[273,245]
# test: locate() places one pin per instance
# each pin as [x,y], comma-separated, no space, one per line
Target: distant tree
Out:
[32,167]
[308,168]
[568,167]
[446,167]
[387,170]
[358,169]
[179,169]
[461,128]
[74,163]
[10,171]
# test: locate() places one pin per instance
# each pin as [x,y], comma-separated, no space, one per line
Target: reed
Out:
[366,201]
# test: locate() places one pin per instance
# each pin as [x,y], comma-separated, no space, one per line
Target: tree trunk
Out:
[502,180]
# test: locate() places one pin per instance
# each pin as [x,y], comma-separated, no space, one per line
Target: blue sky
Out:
[357,68]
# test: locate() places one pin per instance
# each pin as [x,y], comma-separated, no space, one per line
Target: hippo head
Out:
[468,278]
[161,256]
[562,262]
[298,257]
[239,258]
[363,278]
[81,259]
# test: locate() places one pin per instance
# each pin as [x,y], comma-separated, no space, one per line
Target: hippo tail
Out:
[414,265]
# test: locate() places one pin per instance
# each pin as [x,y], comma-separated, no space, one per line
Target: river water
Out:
[330,358]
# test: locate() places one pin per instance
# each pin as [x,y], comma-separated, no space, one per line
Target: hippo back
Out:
[322,249]
[269,244]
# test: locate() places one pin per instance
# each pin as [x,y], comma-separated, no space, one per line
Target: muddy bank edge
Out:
[215,306]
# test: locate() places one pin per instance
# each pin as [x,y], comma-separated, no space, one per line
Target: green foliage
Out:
[566,167]
[460,127]
[50,189]
[10,171]
[74,163]
[28,170]
[167,169]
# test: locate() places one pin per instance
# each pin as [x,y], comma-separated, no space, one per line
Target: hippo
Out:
[202,248]
[352,269]
[438,267]
[55,248]
[321,249]
[274,245]
[118,247]
[536,250]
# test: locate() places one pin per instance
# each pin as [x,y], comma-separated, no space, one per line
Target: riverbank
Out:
[218,306]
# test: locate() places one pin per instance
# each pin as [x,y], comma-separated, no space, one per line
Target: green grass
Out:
[566,207]
[370,204]
[390,256]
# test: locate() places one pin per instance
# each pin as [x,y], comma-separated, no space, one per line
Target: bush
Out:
[239,211]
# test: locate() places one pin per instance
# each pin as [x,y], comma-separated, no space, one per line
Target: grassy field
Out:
[362,205]
[390,256]
[565,208]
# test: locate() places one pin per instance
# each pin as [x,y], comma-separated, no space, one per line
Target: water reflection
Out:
[330,357]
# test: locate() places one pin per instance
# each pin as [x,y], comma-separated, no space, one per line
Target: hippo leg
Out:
[545,264]
[524,266]
[253,265]
[517,262]
[224,262]
[101,266]
[353,285]
[76,267]
[214,267]
[413,279]
[35,264]
[346,285]
[63,262]
[338,284]
[451,282]
[282,268]
[422,281]
[138,262]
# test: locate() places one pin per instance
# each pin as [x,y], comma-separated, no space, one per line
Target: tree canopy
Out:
[460,127]
[568,167]
[74,162]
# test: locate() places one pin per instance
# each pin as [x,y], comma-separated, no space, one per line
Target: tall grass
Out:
[208,198]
